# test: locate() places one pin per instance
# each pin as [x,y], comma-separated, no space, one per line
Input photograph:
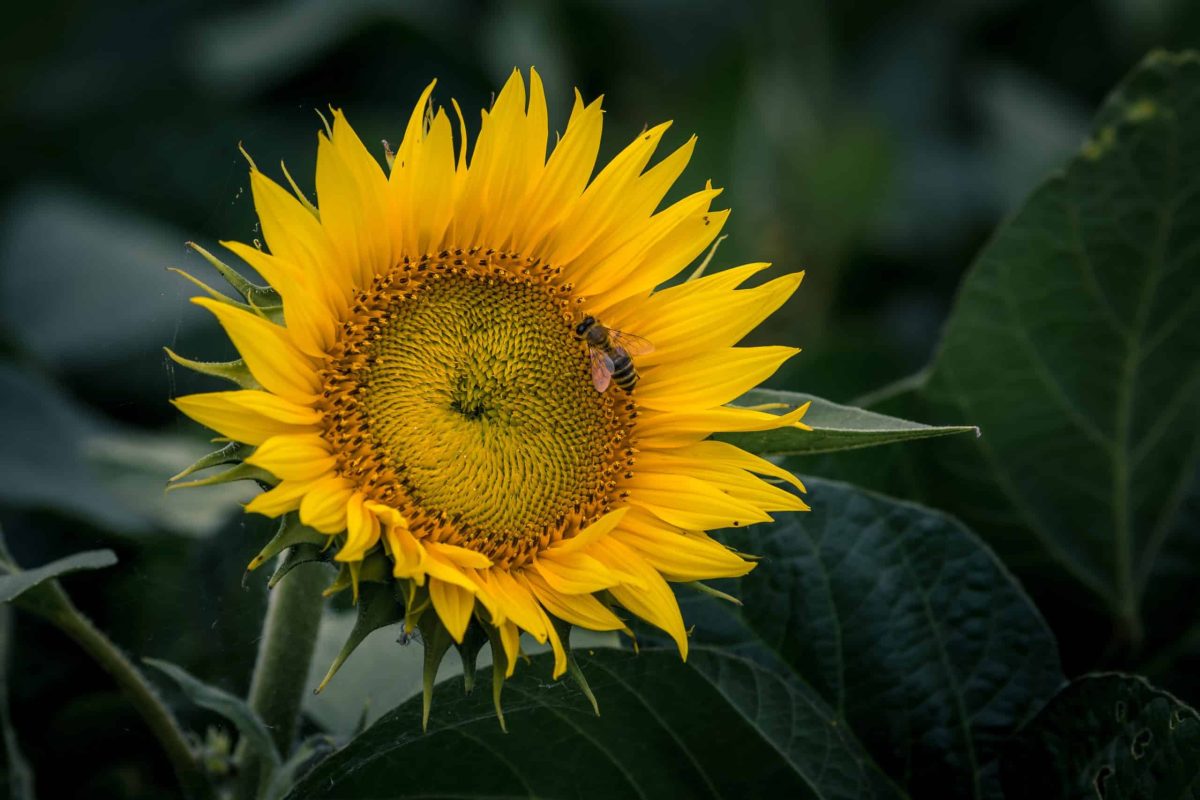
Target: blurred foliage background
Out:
[874,144]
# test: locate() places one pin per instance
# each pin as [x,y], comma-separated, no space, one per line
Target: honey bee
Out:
[611,354]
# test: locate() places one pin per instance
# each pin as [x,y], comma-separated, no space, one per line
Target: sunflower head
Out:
[464,384]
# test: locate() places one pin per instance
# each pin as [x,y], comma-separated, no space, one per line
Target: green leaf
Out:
[834,427]
[1075,345]
[308,753]
[19,774]
[232,708]
[903,622]
[1110,736]
[14,584]
[61,456]
[654,738]
[882,651]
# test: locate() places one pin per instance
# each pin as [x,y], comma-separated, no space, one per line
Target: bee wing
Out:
[602,369]
[633,345]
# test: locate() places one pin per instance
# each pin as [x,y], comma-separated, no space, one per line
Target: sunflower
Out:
[417,388]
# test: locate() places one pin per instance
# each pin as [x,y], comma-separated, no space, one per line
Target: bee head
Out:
[582,328]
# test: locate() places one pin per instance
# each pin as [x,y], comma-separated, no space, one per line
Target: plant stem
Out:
[56,607]
[284,656]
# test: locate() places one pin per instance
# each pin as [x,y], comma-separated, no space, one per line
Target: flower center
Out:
[459,395]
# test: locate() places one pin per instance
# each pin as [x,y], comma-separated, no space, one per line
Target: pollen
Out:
[458,394]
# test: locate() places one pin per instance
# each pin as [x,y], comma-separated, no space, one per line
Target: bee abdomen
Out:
[624,374]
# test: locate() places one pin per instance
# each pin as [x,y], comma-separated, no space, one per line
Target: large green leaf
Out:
[1075,346]
[1110,736]
[834,427]
[251,727]
[62,456]
[234,709]
[16,583]
[903,622]
[719,726]
[18,777]
[881,651]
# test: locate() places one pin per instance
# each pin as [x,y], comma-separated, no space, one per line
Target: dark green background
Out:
[874,144]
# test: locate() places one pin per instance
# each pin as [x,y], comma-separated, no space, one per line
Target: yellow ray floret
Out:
[425,397]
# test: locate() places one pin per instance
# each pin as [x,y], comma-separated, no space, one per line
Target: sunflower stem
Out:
[51,602]
[285,654]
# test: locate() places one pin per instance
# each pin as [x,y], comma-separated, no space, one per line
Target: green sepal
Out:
[468,651]
[436,641]
[234,371]
[242,472]
[232,453]
[374,568]
[499,668]
[341,582]
[704,588]
[267,304]
[261,298]
[302,553]
[563,629]
[377,608]
[291,532]
[210,291]
[416,602]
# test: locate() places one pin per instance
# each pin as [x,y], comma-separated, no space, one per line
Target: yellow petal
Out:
[407,553]
[701,316]
[380,232]
[680,557]
[248,415]
[723,452]
[585,537]
[294,457]
[306,304]
[631,229]
[278,501]
[573,572]
[498,178]
[708,380]
[362,529]
[583,610]
[653,601]
[735,481]
[273,360]
[510,640]
[324,506]
[413,133]
[437,566]
[604,273]
[292,233]
[598,210]
[565,176]
[690,503]
[670,254]
[556,645]
[516,602]
[459,556]
[677,429]
[454,605]
[429,199]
